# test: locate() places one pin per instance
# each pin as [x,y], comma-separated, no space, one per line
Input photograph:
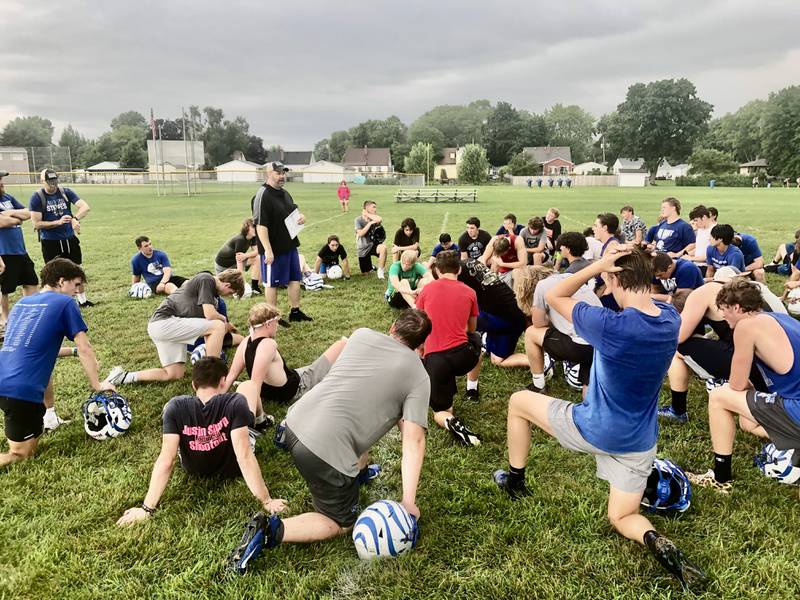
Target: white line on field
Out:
[444,221]
[325,220]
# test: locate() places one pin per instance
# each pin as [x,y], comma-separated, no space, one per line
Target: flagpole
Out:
[155,150]
[163,172]
[186,153]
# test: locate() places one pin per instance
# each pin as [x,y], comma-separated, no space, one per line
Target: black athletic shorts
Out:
[768,411]
[365,262]
[19,271]
[443,368]
[333,494]
[70,248]
[396,300]
[23,420]
[712,358]
[174,279]
[562,347]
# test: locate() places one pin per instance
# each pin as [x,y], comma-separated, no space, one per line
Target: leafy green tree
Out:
[739,133]
[474,167]
[658,120]
[781,132]
[132,155]
[387,133]
[70,138]
[129,118]
[255,150]
[322,150]
[570,126]
[420,160]
[522,164]
[27,131]
[458,124]
[502,129]
[340,142]
[711,162]
[427,135]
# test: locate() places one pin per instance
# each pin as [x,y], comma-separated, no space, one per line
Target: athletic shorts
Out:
[627,472]
[285,268]
[502,335]
[174,279]
[23,420]
[443,368]
[311,375]
[396,300]
[768,410]
[365,262]
[333,494]
[19,271]
[171,336]
[562,347]
[69,248]
[711,359]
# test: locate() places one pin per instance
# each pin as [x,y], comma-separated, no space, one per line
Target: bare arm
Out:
[7,220]
[756,264]
[251,472]
[263,235]
[413,454]
[167,274]
[472,324]
[693,312]
[744,339]
[370,220]
[21,214]
[159,478]
[210,313]
[89,362]
[83,209]
[39,223]
[237,364]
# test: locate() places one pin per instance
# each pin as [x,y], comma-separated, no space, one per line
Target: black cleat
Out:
[473,395]
[284,323]
[260,532]
[503,481]
[673,560]
[87,304]
[461,433]
[299,315]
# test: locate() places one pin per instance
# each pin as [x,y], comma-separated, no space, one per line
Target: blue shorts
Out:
[502,335]
[285,268]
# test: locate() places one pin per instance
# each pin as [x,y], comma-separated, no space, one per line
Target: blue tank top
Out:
[788,384]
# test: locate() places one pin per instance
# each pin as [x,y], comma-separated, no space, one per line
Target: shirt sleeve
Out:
[71,196]
[415,406]
[239,412]
[395,269]
[73,321]
[415,236]
[135,266]
[206,291]
[15,203]
[689,236]
[169,418]
[162,256]
[398,237]
[738,261]
[35,203]
[463,241]
[420,270]
[473,311]
[421,299]
[589,322]
[342,252]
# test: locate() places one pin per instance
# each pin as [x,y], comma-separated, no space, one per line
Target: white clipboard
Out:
[292,226]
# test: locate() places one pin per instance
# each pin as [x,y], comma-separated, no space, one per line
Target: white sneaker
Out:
[52,421]
[116,375]
[380,273]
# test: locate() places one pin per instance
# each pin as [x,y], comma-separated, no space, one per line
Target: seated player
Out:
[633,228]
[241,252]
[550,332]
[753,259]
[552,227]
[367,244]
[595,246]
[155,267]
[721,251]
[274,379]
[330,430]
[510,226]
[503,255]
[208,431]
[785,257]
[329,255]
[453,348]
[702,223]
[708,358]
[573,247]
[445,243]
[771,341]
[673,235]
[534,238]
[675,278]
[36,327]
[474,240]
[407,277]
[616,422]
[406,238]
[183,316]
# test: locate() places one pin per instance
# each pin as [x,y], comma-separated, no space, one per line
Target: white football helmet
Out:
[248,291]
[384,529]
[140,290]
[106,415]
[793,302]
[334,272]
[777,464]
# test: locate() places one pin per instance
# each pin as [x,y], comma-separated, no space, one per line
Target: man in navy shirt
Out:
[753,259]
[155,267]
[509,226]
[721,252]
[674,235]
[617,421]
[51,213]
[36,327]
[675,278]
[19,269]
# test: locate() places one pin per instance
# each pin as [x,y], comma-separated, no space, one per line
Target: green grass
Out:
[57,512]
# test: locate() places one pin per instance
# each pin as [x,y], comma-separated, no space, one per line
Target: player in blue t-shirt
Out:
[58,228]
[616,422]
[155,267]
[772,341]
[673,235]
[446,243]
[509,226]
[721,252]
[753,259]
[36,327]
[674,279]
[16,266]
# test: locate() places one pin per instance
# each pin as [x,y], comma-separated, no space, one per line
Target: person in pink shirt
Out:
[344,196]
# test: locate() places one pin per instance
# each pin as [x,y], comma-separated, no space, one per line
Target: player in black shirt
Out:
[330,254]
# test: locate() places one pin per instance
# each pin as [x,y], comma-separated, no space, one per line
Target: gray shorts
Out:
[218,269]
[769,412]
[311,375]
[171,336]
[627,472]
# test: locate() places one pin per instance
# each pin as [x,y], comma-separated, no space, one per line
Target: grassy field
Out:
[57,512]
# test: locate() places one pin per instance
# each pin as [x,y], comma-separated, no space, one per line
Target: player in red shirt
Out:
[453,347]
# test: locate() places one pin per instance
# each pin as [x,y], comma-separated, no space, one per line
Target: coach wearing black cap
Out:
[58,228]
[277,248]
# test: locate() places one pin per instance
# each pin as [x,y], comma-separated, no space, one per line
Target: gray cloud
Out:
[299,73]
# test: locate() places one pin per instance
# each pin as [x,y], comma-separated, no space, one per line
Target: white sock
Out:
[538,379]
[130,377]
[81,298]
[49,412]
[472,385]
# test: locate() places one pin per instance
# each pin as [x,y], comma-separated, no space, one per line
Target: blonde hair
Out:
[261,313]
[235,279]
[525,281]
[409,256]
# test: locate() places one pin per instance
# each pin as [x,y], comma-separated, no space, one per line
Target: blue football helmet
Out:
[668,488]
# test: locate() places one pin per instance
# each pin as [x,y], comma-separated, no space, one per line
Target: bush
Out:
[724,180]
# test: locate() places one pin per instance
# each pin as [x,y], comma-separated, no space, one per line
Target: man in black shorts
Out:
[51,214]
[18,267]
[208,431]
[330,430]
[280,261]
[367,244]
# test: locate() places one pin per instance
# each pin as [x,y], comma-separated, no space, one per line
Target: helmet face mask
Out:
[777,464]
[668,489]
[140,291]
[106,415]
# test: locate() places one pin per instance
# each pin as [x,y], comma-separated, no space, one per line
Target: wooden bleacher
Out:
[437,195]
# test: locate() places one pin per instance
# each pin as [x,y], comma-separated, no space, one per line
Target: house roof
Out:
[367,157]
[104,166]
[630,163]
[247,163]
[301,157]
[447,160]
[759,162]
[558,158]
[543,154]
[13,149]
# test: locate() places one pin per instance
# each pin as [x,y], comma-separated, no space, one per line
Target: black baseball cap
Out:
[49,175]
[277,166]
[3,174]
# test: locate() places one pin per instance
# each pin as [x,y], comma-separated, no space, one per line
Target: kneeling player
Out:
[208,431]
[617,420]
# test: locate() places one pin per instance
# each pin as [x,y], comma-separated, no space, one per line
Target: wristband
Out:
[75,351]
[148,509]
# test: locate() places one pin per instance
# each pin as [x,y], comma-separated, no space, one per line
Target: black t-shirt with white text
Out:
[270,208]
[474,248]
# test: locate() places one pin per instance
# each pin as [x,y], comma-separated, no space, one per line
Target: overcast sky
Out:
[315,66]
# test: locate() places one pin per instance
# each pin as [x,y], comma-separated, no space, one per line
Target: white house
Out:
[296,160]
[674,171]
[627,164]
[239,171]
[324,171]
[587,168]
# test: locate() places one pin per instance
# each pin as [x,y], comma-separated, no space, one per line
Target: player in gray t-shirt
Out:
[330,430]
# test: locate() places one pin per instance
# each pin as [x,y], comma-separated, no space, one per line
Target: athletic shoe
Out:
[259,533]
[707,480]
[280,436]
[116,376]
[503,481]
[347,277]
[52,421]
[532,387]
[283,322]
[264,422]
[299,315]
[370,473]
[668,414]
[474,395]
[461,433]
[673,560]
[380,273]
[712,384]
[86,304]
